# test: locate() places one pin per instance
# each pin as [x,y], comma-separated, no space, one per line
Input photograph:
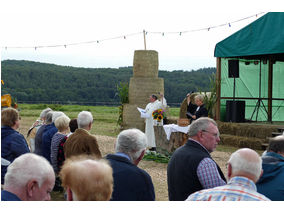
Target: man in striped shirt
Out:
[244,169]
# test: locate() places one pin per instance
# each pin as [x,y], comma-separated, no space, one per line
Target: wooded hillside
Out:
[34,81]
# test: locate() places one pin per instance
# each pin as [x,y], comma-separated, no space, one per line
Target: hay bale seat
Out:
[250,135]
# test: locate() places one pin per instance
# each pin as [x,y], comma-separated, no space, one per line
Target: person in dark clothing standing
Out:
[191,167]
[130,182]
[201,110]
[47,135]
[191,106]
[38,136]
[13,144]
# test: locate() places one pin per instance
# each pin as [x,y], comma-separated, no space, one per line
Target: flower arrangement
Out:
[159,114]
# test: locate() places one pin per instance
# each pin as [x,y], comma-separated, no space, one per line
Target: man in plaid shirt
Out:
[244,169]
[191,167]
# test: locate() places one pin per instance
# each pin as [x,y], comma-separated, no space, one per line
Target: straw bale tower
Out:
[144,82]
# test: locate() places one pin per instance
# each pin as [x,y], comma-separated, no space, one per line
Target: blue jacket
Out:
[13,144]
[47,135]
[130,182]
[271,183]
[8,196]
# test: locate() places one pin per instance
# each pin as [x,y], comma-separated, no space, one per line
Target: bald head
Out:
[245,162]
[88,179]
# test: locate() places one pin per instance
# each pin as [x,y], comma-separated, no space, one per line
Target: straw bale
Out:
[183,109]
[141,88]
[131,117]
[241,142]
[145,63]
[246,129]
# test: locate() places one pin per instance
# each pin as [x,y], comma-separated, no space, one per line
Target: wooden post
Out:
[218,88]
[144,33]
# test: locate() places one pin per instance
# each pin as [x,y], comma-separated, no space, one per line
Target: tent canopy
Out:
[262,37]
[259,50]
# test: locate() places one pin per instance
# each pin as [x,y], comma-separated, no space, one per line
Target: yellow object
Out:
[6,100]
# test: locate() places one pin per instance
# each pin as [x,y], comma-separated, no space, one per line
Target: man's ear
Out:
[31,186]
[90,126]
[261,174]
[229,171]
[139,158]
[69,194]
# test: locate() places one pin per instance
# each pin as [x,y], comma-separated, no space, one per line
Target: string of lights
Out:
[229,24]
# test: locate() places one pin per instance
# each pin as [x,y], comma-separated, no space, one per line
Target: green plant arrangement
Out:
[157,157]
[211,99]
[122,90]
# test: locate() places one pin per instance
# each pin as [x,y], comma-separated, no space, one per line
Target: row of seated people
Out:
[128,182]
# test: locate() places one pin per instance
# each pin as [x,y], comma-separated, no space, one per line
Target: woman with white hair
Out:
[35,127]
[201,110]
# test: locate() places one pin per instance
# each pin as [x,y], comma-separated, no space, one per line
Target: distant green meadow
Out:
[105,117]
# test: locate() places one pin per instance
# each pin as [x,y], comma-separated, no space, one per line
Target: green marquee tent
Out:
[258,50]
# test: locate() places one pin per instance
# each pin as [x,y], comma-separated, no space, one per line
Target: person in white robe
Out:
[149,129]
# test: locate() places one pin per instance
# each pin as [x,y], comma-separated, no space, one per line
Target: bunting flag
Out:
[180,33]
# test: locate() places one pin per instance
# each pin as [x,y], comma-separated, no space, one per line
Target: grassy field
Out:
[105,128]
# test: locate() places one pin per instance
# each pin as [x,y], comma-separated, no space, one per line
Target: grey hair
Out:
[131,142]
[199,97]
[199,125]
[56,114]
[243,164]
[48,119]
[84,119]
[27,167]
[44,112]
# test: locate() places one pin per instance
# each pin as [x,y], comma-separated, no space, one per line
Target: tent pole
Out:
[218,89]
[270,80]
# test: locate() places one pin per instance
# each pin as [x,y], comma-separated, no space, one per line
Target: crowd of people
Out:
[63,155]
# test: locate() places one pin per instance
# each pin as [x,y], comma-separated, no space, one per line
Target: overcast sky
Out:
[33,23]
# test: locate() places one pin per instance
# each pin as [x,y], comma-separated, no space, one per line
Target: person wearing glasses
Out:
[191,167]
